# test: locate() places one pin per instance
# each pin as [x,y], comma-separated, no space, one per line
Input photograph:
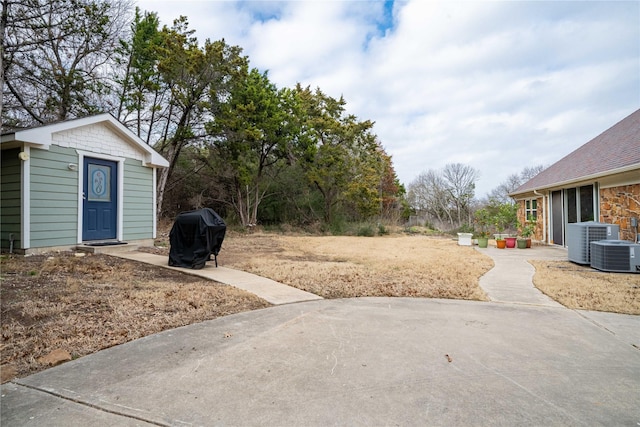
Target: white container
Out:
[464,239]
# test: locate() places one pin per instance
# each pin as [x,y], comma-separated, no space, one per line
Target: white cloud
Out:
[299,46]
[498,85]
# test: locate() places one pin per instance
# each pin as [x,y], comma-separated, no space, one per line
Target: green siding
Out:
[8,186]
[138,201]
[54,197]
[11,211]
[59,183]
[56,238]
[10,203]
[42,223]
[51,203]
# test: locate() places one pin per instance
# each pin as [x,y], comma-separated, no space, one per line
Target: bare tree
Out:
[512,182]
[4,16]
[461,184]
[445,195]
[529,172]
[428,194]
[56,56]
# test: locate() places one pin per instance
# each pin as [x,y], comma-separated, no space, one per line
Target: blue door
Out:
[100,204]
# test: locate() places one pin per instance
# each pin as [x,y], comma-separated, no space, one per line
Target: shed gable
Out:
[101,134]
[96,138]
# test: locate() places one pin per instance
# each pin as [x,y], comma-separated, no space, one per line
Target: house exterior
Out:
[600,181]
[75,182]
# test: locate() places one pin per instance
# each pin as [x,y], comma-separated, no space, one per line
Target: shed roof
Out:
[42,135]
[615,150]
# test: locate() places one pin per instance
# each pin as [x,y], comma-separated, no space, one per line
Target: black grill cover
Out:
[196,235]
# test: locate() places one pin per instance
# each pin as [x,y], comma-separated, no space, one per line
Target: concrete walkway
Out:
[359,361]
[267,289]
[520,360]
[511,279]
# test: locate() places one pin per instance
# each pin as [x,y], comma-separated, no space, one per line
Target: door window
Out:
[572,210]
[586,203]
[580,206]
[99,181]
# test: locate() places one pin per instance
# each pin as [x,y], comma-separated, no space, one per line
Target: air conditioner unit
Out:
[616,255]
[581,234]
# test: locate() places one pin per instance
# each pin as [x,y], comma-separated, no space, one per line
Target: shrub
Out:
[465,228]
[366,230]
[338,227]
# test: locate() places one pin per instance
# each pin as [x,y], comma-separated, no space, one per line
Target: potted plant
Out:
[499,224]
[526,231]
[483,239]
[508,212]
[504,217]
[483,220]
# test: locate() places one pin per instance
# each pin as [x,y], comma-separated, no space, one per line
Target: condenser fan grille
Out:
[616,255]
[581,234]
[610,258]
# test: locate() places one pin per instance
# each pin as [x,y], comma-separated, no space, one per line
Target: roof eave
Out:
[42,137]
[156,160]
[591,177]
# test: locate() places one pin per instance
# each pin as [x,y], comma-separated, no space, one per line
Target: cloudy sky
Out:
[497,85]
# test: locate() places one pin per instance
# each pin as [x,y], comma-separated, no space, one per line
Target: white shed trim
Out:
[42,137]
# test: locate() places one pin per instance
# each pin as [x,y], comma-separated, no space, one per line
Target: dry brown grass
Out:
[346,266]
[583,288]
[85,304]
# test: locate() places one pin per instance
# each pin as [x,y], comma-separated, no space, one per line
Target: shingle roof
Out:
[616,148]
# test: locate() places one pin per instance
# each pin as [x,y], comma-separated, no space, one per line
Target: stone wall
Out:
[537,235]
[618,205]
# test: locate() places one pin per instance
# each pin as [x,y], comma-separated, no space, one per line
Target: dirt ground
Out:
[77,305]
[581,287]
[349,266]
[80,305]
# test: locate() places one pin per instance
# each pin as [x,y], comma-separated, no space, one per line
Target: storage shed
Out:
[82,181]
